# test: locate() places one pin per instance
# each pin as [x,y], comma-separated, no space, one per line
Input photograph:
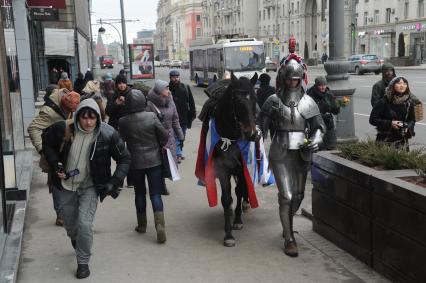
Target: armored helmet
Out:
[291,70]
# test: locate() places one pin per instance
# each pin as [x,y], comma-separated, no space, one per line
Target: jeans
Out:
[78,212]
[179,146]
[55,195]
[155,183]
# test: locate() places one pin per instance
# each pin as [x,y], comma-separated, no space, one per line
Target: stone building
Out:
[179,22]
[379,24]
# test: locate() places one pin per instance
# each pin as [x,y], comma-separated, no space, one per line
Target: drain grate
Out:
[10,211]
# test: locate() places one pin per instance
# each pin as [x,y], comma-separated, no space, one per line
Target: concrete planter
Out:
[374,215]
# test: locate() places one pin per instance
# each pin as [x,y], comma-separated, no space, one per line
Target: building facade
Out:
[144,37]
[61,40]
[179,22]
[380,24]
[274,21]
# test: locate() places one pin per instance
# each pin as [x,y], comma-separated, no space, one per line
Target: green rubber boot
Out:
[141,228]
[159,226]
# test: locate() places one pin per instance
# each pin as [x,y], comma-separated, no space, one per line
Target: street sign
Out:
[44,14]
[277,42]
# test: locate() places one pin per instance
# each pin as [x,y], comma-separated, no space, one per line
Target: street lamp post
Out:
[123,28]
[337,72]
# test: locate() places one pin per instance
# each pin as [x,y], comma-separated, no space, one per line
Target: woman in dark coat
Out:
[79,83]
[161,102]
[145,135]
[393,115]
[328,107]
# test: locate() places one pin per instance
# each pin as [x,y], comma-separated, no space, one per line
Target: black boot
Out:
[164,190]
[82,271]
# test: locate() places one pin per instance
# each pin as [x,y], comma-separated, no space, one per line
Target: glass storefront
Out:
[9,87]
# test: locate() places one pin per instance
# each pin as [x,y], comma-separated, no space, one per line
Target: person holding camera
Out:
[328,107]
[80,152]
[393,115]
[145,135]
[161,103]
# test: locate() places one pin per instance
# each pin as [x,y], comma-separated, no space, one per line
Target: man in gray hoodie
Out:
[80,152]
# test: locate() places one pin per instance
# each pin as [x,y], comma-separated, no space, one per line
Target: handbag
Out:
[165,166]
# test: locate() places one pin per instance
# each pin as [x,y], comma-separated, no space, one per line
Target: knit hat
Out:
[174,73]
[64,76]
[70,101]
[264,78]
[91,87]
[320,80]
[108,77]
[120,79]
[160,86]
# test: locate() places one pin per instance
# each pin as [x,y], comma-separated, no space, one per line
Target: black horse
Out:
[234,116]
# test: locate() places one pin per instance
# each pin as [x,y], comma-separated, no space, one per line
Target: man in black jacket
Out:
[115,108]
[265,90]
[378,91]
[185,105]
[80,152]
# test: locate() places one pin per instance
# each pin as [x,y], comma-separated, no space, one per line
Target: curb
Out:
[11,258]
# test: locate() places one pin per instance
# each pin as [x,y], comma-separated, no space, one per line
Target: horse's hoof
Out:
[246,206]
[237,226]
[229,242]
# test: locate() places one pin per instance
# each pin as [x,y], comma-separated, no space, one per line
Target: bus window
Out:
[244,58]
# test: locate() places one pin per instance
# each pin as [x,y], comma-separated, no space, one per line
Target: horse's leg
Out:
[239,189]
[246,203]
[225,184]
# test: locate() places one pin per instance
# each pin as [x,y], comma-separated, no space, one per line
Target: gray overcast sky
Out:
[143,10]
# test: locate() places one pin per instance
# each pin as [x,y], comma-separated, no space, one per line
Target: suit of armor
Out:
[298,131]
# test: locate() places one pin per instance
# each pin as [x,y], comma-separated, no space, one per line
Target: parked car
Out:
[165,63]
[270,65]
[175,64]
[185,64]
[157,63]
[365,63]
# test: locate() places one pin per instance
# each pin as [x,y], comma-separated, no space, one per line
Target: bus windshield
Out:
[245,58]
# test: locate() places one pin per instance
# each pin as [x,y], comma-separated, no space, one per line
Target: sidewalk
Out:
[420,67]
[194,251]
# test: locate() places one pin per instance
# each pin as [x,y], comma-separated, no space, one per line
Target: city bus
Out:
[211,61]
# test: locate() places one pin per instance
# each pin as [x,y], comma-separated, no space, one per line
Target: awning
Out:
[55,4]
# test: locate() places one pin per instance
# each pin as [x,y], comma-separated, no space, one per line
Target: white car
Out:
[175,64]
[165,63]
[157,64]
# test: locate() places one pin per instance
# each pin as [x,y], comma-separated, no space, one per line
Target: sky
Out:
[143,10]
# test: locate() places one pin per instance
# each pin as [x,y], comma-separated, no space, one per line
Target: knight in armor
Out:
[299,129]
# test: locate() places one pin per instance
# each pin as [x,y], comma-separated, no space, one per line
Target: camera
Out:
[403,129]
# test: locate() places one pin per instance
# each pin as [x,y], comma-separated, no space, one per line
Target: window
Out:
[421,9]
[376,16]
[388,15]
[365,18]
[260,15]
[269,13]
[263,14]
[278,29]
[198,18]
[406,6]
[283,10]
[198,32]
[356,19]
[292,8]
[298,6]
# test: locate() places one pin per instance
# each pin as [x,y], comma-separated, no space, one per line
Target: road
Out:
[362,107]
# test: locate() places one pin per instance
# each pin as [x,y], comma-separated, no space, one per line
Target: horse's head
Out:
[243,99]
